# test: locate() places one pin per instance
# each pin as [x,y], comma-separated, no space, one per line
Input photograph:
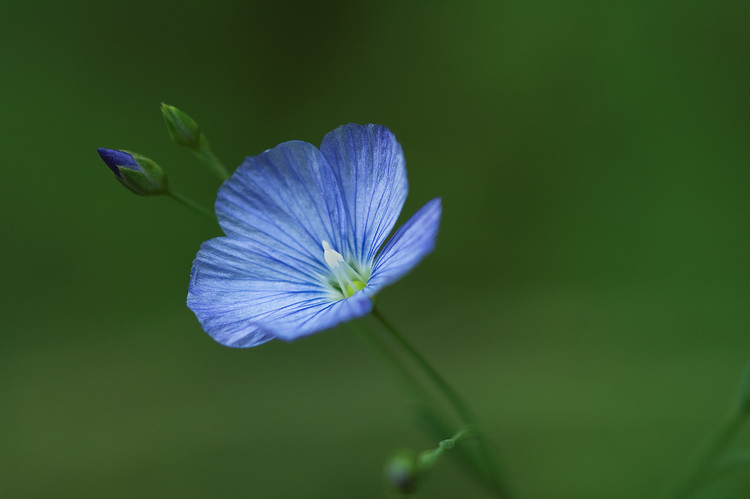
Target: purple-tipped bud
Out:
[402,471]
[138,173]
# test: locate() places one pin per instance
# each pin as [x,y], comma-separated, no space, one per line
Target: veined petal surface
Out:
[236,283]
[369,165]
[269,277]
[293,324]
[286,198]
[409,245]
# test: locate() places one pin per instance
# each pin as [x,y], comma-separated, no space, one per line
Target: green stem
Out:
[428,458]
[491,468]
[410,383]
[700,470]
[192,205]
[210,161]
[458,404]
[430,414]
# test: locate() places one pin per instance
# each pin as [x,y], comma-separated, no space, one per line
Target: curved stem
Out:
[430,414]
[192,205]
[458,404]
[701,467]
[704,463]
[410,383]
[428,458]
[461,408]
[210,161]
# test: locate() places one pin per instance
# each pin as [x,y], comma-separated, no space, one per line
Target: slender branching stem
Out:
[210,161]
[703,466]
[491,468]
[192,205]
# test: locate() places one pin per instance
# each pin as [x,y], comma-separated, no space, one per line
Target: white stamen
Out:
[333,257]
[342,271]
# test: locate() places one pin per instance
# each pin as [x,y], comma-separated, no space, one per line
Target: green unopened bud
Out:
[182,128]
[138,173]
[402,471]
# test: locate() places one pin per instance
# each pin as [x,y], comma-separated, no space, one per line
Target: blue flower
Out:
[305,229]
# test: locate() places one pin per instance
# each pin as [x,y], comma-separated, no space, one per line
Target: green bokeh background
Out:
[589,293]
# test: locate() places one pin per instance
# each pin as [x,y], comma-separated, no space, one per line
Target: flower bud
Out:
[138,173]
[182,128]
[402,471]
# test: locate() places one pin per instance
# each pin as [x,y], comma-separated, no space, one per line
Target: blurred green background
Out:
[589,294]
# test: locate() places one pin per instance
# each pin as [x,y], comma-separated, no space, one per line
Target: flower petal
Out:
[291,325]
[269,278]
[286,198]
[244,295]
[235,284]
[116,159]
[411,242]
[369,166]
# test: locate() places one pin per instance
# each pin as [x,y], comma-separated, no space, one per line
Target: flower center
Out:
[346,279]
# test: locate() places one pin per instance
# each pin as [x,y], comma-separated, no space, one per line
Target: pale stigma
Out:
[348,279]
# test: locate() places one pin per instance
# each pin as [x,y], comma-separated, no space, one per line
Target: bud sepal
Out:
[136,172]
[182,129]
